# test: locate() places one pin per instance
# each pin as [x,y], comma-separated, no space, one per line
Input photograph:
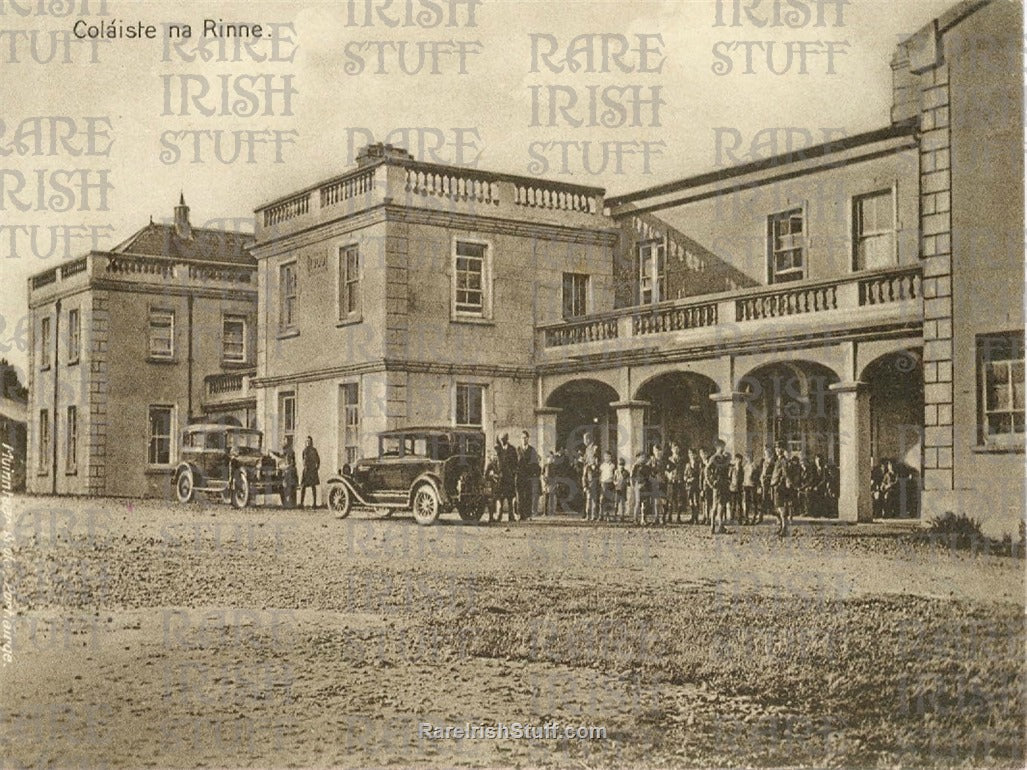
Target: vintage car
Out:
[425,470]
[228,460]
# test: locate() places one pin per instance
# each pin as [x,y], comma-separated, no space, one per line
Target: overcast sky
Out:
[491,102]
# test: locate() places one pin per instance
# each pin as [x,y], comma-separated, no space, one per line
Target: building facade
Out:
[861,300]
[405,293]
[129,346]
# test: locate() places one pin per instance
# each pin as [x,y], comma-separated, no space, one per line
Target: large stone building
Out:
[861,300]
[128,346]
[407,293]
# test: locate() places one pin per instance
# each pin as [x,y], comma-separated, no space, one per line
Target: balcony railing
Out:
[227,386]
[573,332]
[841,300]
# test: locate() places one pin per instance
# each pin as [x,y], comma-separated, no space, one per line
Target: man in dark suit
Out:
[528,471]
[506,459]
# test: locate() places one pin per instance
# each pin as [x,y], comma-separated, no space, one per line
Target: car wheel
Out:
[340,501]
[184,486]
[241,490]
[426,505]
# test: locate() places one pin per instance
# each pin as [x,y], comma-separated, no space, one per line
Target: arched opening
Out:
[680,409]
[791,403]
[584,408]
[895,394]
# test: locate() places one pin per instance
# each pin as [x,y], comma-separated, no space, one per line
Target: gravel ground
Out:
[152,634]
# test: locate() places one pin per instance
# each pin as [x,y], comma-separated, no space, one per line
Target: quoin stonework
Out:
[860,299]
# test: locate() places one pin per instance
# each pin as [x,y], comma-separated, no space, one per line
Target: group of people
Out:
[892,490]
[512,479]
[700,486]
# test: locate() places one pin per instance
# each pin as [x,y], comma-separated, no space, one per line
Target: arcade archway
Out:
[680,409]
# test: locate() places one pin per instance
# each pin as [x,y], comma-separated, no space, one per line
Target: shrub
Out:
[958,530]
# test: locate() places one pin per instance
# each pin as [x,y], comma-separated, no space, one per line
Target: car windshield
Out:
[245,440]
[213,440]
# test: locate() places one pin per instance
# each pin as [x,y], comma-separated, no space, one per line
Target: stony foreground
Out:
[151,634]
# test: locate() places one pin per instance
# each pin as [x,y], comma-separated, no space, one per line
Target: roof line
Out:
[895,130]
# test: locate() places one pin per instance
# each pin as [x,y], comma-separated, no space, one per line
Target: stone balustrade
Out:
[801,308]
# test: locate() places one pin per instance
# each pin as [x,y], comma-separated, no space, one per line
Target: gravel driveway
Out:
[152,634]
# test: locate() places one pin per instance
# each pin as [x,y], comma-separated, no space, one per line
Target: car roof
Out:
[217,426]
[434,429]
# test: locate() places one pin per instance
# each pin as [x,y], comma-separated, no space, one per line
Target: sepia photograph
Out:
[512,384]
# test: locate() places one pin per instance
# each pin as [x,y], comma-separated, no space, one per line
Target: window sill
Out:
[43,473]
[349,321]
[71,473]
[284,334]
[158,470]
[160,360]
[997,449]
[233,365]
[45,368]
[73,362]
[472,320]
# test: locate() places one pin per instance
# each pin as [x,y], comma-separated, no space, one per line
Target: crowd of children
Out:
[699,487]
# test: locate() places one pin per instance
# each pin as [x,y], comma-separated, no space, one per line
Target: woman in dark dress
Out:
[311,465]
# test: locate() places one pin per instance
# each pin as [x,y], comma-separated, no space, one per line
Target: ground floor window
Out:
[71,438]
[160,432]
[349,397]
[287,416]
[1001,388]
[469,398]
[44,441]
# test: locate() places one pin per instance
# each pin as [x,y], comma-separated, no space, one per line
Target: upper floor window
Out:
[161,429]
[652,272]
[287,296]
[575,295]
[162,333]
[786,234]
[873,230]
[470,278]
[233,339]
[1001,364]
[469,400]
[44,342]
[74,335]
[349,283]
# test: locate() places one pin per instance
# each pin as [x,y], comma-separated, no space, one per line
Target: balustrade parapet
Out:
[413,179]
[850,292]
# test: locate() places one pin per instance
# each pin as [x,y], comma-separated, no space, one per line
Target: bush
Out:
[959,530]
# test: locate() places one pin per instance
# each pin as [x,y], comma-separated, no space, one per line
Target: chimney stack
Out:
[182,227]
[379,151]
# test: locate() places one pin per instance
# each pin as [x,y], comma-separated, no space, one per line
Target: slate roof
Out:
[205,245]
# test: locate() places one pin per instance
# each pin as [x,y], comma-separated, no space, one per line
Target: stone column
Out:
[545,418]
[732,423]
[854,503]
[630,419]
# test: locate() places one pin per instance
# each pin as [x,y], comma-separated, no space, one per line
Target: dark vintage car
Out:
[227,460]
[425,470]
